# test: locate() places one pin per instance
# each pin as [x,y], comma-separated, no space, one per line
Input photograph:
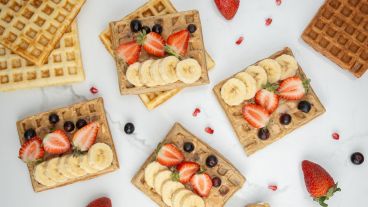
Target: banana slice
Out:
[168,188]
[132,74]
[250,84]
[39,175]
[178,196]
[151,171]
[272,68]
[259,74]
[73,167]
[52,171]
[188,70]
[100,156]
[62,169]
[145,73]
[167,69]
[233,92]
[289,66]
[84,164]
[160,178]
[155,73]
[192,200]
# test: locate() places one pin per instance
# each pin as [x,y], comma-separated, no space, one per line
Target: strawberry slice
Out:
[153,43]
[267,99]
[228,8]
[85,137]
[32,150]
[56,142]
[201,184]
[129,52]
[293,88]
[177,43]
[169,155]
[256,115]
[186,171]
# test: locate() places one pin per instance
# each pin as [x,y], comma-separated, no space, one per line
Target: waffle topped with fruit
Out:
[185,172]
[67,145]
[159,53]
[268,100]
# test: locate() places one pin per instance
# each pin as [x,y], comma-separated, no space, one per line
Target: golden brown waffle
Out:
[339,31]
[121,33]
[92,110]
[232,179]
[151,8]
[64,66]
[32,28]
[247,134]
[258,205]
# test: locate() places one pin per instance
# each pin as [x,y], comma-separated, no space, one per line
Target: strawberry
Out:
[256,115]
[267,99]
[293,88]
[168,155]
[186,170]
[177,43]
[129,52]
[201,184]
[153,43]
[101,202]
[56,142]
[32,150]
[228,8]
[319,183]
[85,137]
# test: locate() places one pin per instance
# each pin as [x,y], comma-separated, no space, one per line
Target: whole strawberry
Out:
[228,8]
[319,182]
[101,202]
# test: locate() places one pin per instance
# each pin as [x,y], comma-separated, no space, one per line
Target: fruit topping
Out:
[169,155]
[69,126]
[239,40]
[192,28]
[285,119]
[272,187]
[216,182]
[209,130]
[304,106]
[146,29]
[186,170]
[267,99]
[29,133]
[177,43]
[278,2]
[357,158]
[196,112]
[135,25]
[256,115]
[56,142]
[31,150]
[81,123]
[93,90]
[268,21]
[101,202]
[335,136]
[153,43]
[129,128]
[228,8]
[293,88]
[157,28]
[201,184]
[129,52]
[85,137]
[54,118]
[188,147]
[263,133]
[211,161]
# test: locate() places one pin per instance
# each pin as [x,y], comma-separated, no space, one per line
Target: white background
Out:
[344,97]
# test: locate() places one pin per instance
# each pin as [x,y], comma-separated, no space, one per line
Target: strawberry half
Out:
[201,184]
[256,115]
[153,43]
[186,170]
[228,8]
[177,43]
[267,99]
[129,52]
[101,202]
[56,142]
[31,150]
[293,88]
[169,155]
[85,137]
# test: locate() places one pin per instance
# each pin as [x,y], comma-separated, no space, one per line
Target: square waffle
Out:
[92,110]
[63,66]
[232,179]
[32,28]
[151,8]
[171,23]
[247,134]
[339,31]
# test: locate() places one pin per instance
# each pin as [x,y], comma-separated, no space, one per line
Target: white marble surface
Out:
[344,97]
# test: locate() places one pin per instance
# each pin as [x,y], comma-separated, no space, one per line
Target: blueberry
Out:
[357,158]
[216,182]
[304,106]
[29,133]
[81,123]
[129,128]
[263,133]
[69,126]
[54,118]
[135,25]
[188,147]
[285,119]
[192,28]
[146,29]
[157,28]
[211,161]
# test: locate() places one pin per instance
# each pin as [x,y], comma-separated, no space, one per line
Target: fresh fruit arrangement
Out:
[183,172]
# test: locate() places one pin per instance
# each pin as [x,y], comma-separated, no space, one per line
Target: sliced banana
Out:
[132,74]
[192,200]
[167,69]
[178,196]
[155,73]
[52,171]
[259,74]
[145,73]
[233,92]
[73,167]
[250,84]
[84,164]
[100,156]
[272,68]
[39,175]
[151,171]
[188,70]
[160,178]
[289,66]
[62,169]
[168,188]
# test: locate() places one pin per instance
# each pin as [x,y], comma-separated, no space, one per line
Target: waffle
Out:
[92,110]
[258,205]
[171,23]
[64,66]
[151,8]
[339,31]
[247,134]
[232,180]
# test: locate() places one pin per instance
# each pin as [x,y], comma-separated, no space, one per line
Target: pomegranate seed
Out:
[268,21]
[278,2]
[272,187]
[240,40]
[196,112]
[209,130]
[335,136]
[93,90]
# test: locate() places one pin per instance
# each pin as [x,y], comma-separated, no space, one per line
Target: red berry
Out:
[240,40]
[196,112]
[268,21]
[335,136]
[272,187]
[209,130]
[93,90]
[278,2]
